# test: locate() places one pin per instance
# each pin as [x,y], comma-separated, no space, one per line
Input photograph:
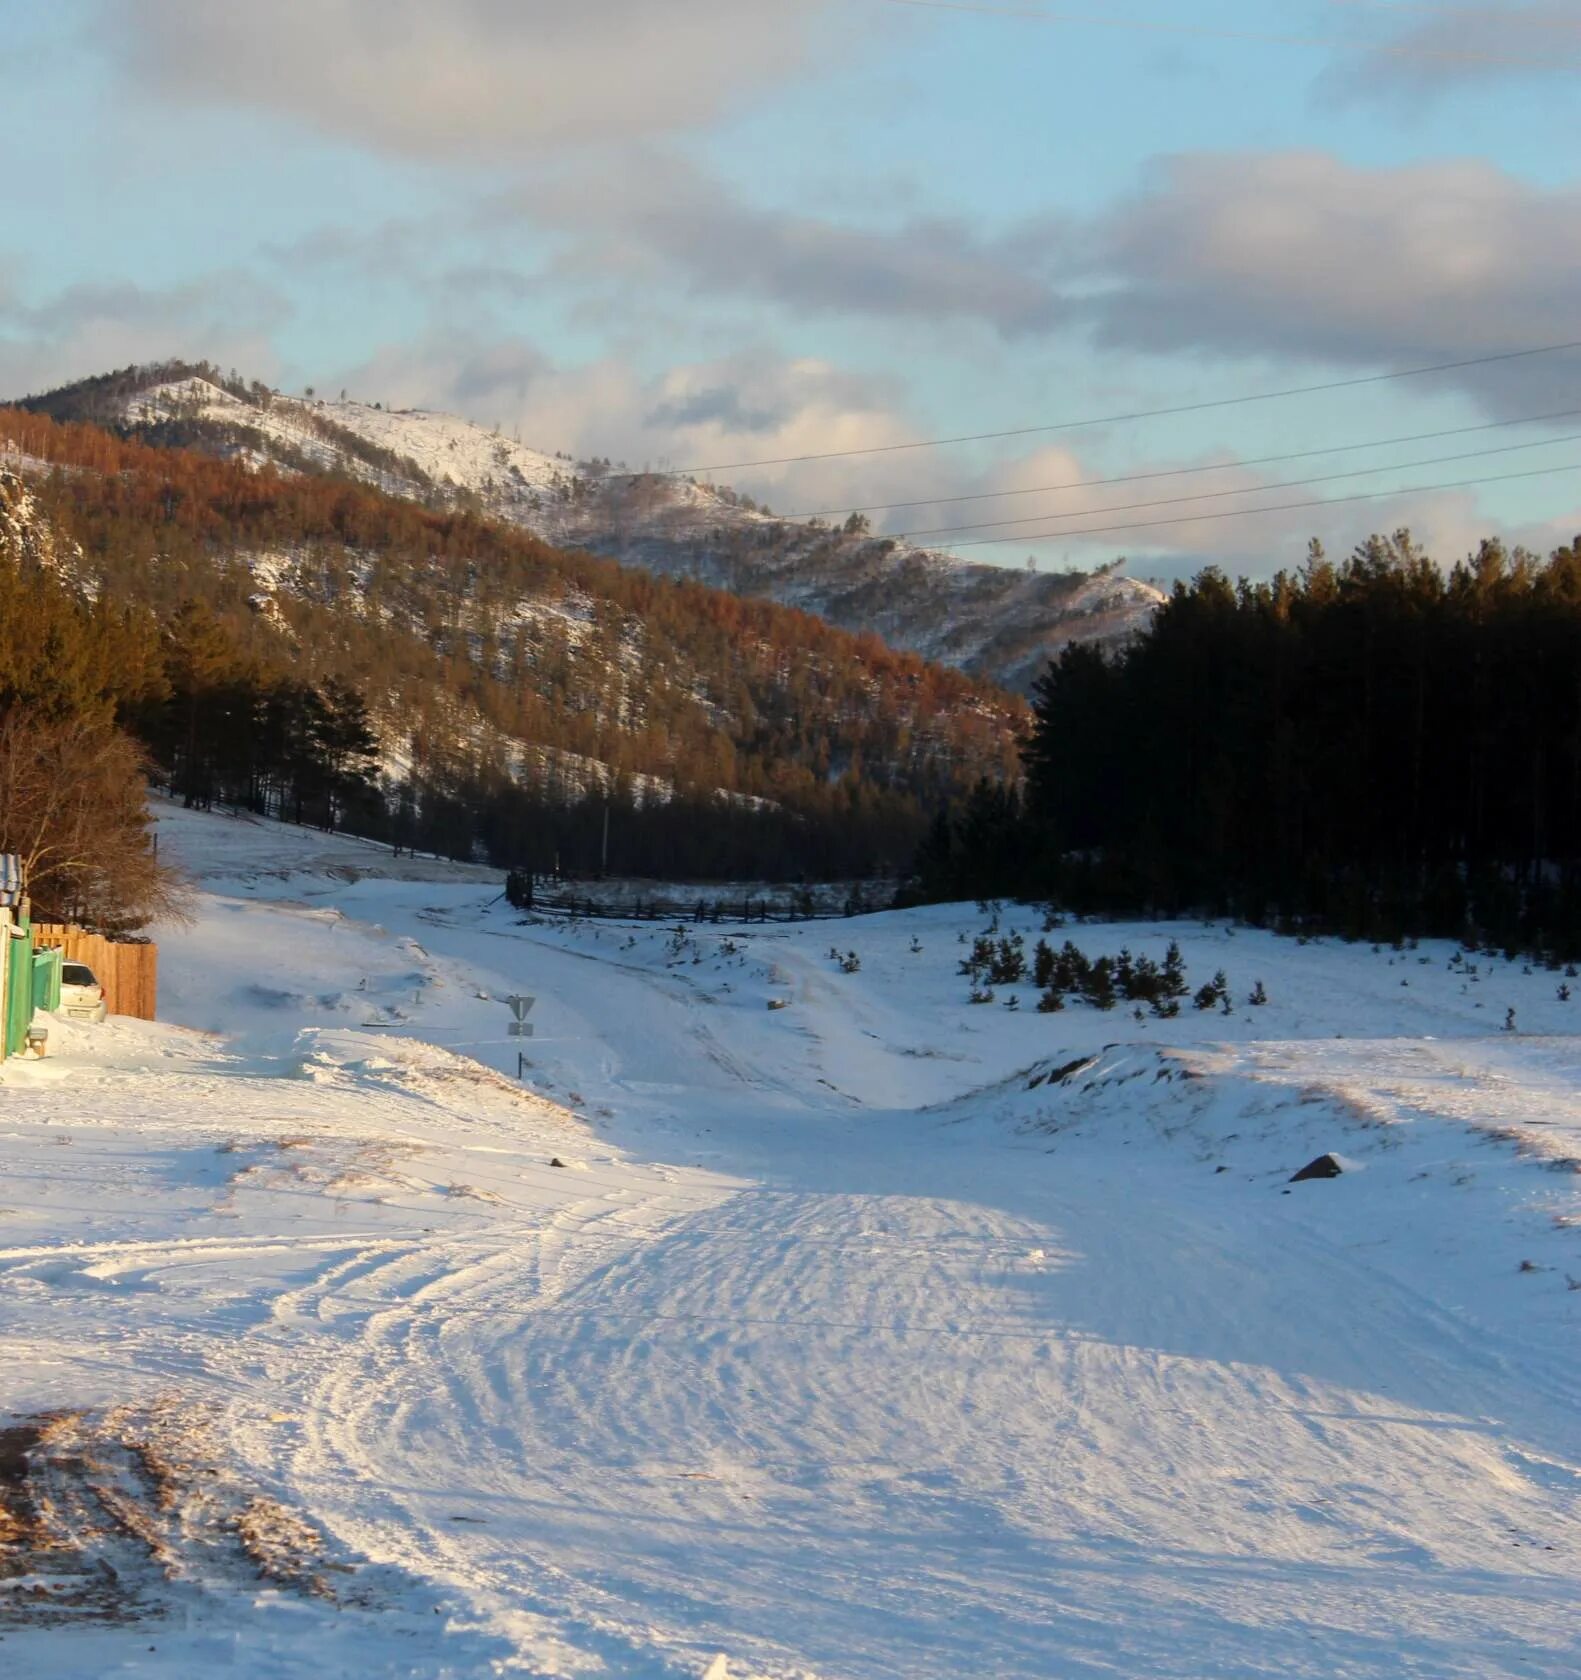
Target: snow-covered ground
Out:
[871,1334]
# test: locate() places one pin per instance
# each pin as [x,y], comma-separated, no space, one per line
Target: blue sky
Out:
[728,230]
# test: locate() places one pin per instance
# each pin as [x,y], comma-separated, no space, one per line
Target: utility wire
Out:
[1113,419]
[1463,14]
[1277,507]
[1453,55]
[1243,490]
[1178,472]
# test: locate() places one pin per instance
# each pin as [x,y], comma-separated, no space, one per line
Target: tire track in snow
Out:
[400,1369]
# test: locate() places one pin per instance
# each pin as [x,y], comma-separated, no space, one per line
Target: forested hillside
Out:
[333,652]
[1381,747]
[1002,623]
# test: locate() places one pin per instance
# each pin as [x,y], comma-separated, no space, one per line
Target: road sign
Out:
[520,1007]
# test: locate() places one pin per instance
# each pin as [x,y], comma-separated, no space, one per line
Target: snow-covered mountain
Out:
[508,681]
[992,621]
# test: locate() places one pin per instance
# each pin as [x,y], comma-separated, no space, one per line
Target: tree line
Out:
[1377,747]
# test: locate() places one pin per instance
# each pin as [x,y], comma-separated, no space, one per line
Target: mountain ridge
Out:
[990,621]
[517,687]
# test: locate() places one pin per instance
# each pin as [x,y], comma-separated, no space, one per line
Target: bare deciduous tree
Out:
[73,807]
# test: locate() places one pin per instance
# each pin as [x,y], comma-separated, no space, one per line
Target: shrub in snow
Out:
[1008,963]
[1099,990]
[981,960]
[1212,991]
[1071,969]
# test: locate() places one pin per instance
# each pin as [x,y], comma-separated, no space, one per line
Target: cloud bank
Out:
[483,81]
[1445,50]
[1300,254]
[227,317]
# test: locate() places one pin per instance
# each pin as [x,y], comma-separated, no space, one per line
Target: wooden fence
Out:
[656,908]
[129,972]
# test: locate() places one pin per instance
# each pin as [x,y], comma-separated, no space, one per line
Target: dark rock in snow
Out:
[555,1161]
[1325,1166]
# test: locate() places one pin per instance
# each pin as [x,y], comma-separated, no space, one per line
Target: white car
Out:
[81,996]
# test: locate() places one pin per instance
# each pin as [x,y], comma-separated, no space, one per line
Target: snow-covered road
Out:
[860,1337]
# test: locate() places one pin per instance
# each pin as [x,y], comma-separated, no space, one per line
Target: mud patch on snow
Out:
[115,1517]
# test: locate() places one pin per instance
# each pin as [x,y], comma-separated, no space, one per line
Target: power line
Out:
[1112,419]
[1454,55]
[1463,14]
[1243,490]
[1178,472]
[1277,507]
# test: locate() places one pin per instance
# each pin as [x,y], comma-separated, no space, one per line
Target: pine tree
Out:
[1099,989]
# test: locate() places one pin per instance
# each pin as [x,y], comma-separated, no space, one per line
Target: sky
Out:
[714,234]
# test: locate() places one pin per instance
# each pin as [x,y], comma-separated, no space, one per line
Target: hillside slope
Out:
[992,621]
[511,683]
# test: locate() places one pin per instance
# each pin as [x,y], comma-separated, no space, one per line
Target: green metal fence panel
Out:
[46,979]
[19,988]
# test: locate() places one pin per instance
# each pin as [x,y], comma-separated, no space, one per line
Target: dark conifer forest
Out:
[1380,747]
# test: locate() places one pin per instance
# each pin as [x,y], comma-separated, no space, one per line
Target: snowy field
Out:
[868,1335]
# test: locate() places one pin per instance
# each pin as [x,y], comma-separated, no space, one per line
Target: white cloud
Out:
[747,406]
[1447,525]
[758,405]
[1300,254]
[618,233]
[481,80]
[656,218]
[1280,256]
[1156,509]
[227,318]
[1444,51]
